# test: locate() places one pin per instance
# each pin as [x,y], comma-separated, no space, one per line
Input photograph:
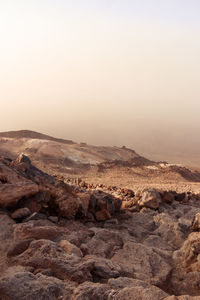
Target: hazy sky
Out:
[108,72]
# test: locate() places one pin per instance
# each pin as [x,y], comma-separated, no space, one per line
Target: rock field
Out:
[66,239]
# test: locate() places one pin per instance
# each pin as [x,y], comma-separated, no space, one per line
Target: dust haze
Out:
[132,78]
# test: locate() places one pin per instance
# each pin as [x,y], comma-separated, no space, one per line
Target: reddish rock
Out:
[19,284]
[150,198]
[142,262]
[103,215]
[21,213]
[196,223]
[68,206]
[10,194]
[43,229]
[84,202]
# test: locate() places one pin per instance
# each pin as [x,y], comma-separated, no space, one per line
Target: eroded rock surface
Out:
[64,242]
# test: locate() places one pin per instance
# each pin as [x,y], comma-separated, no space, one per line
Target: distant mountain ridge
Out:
[60,156]
[33,135]
[44,148]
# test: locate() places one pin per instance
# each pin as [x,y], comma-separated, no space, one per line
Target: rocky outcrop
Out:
[66,242]
[150,198]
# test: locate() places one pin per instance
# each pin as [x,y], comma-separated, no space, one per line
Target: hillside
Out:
[57,151]
[96,164]
[19,134]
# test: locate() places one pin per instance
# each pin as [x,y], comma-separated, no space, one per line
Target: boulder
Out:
[143,263]
[103,268]
[103,215]
[61,259]
[196,223]
[68,206]
[10,194]
[21,213]
[104,243]
[140,293]
[92,291]
[150,199]
[18,284]
[38,229]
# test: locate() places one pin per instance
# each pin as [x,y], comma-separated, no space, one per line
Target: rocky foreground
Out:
[61,241]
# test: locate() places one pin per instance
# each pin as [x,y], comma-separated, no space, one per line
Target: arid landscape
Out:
[110,166]
[99,150]
[84,222]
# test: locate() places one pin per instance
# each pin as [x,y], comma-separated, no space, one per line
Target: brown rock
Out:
[43,229]
[68,206]
[63,262]
[19,247]
[10,194]
[143,263]
[20,284]
[150,198]
[92,291]
[196,223]
[70,248]
[84,202]
[186,275]
[21,213]
[140,293]
[103,268]
[168,197]
[104,243]
[103,215]
[6,238]
[128,204]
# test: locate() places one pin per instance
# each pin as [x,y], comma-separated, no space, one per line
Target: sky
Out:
[105,72]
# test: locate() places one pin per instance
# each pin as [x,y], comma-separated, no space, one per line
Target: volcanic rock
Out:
[150,198]
[21,213]
[196,223]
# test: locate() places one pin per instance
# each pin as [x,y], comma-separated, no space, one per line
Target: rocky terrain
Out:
[110,166]
[69,239]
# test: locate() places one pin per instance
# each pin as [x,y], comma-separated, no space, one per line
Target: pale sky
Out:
[107,72]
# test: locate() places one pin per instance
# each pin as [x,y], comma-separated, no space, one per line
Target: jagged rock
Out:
[140,293]
[196,223]
[10,194]
[141,262]
[103,268]
[64,262]
[61,252]
[6,238]
[19,247]
[68,206]
[70,248]
[150,198]
[129,203]
[100,201]
[22,158]
[41,229]
[104,242]
[21,213]
[92,291]
[168,197]
[18,284]
[84,202]
[103,215]
[186,275]
[169,230]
